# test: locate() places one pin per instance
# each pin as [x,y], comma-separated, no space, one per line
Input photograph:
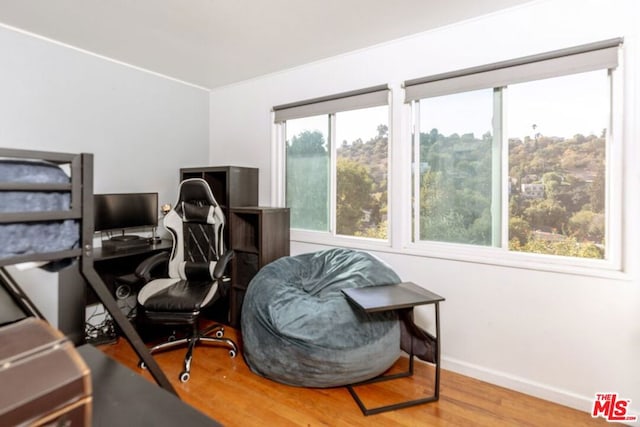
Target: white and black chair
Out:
[196,269]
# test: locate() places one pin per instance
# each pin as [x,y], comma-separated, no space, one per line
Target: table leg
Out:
[408,373]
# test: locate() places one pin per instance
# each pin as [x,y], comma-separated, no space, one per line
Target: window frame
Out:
[329,106]
[612,265]
[402,130]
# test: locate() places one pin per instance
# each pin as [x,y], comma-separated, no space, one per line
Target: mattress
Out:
[35,237]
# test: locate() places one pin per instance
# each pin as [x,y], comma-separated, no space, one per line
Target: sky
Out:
[350,125]
[560,106]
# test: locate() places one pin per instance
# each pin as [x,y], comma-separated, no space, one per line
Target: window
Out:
[336,163]
[516,163]
[557,164]
[454,186]
[518,155]
[307,172]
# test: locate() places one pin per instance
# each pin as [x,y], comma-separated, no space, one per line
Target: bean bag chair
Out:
[298,328]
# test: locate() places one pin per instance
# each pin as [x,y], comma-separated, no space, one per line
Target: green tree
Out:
[378,231]
[545,214]
[587,226]
[566,247]
[442,217]
[519,229]
[598,191]
[307,143]
[455,190]
[373,156]
[353,196]
[552,182]
[307,190]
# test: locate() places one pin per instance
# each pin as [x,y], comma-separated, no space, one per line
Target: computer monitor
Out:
[125,210]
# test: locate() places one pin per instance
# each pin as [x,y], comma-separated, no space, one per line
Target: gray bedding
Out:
[28,238]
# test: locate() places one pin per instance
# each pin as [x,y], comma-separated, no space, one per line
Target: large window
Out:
[337,163]
[517,163]
[515,155]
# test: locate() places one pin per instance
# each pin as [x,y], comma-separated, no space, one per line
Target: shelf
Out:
[245,231]
[259,235]
[231,185]
[247,249]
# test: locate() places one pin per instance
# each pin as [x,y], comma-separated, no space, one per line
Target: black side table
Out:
[401,297]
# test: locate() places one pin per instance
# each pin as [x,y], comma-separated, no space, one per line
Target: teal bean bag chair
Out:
[299,329]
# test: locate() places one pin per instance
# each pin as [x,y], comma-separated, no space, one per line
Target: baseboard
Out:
[523,385]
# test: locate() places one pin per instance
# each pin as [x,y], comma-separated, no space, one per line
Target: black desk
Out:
[401,297]
[99,254]
[123,398]
[74,294]
[112,264]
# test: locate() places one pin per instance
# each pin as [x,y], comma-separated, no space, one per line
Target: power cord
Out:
[102,332]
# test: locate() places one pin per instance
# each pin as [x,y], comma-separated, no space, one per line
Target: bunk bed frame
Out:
[81,189]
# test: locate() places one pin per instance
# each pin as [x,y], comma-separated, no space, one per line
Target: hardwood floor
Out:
[227,391]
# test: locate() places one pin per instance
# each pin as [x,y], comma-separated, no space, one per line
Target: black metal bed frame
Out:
[81,209]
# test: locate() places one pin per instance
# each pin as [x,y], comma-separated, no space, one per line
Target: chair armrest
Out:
[145,268]
[221,265]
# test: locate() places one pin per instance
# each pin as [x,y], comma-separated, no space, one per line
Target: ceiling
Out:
[212,43]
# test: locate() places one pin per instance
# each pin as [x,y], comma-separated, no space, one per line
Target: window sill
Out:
[471,254]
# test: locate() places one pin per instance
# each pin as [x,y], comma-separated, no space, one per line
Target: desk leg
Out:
[408,373]
[437,380]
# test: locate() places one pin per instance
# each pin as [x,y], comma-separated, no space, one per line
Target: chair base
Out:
[197,337]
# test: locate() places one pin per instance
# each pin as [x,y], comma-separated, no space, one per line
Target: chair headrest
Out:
[194,190]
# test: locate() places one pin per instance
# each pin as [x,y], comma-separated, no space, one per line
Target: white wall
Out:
[563,337]
[140,127]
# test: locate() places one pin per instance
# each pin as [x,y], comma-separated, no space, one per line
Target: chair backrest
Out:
[196,224]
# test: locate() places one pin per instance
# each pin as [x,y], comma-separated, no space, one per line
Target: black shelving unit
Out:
[258,236]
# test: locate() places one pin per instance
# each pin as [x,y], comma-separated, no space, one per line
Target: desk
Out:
[72,290]
[112,264]
[123,398]
[99,254]
[401,297]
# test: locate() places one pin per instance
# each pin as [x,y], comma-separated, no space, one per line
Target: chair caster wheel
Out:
[232,353]
[219,333]
[184,377]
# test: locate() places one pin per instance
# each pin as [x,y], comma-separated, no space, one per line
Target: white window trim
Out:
[616,169]
[278,179]
[611,267]
[333,167]
[400,207]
